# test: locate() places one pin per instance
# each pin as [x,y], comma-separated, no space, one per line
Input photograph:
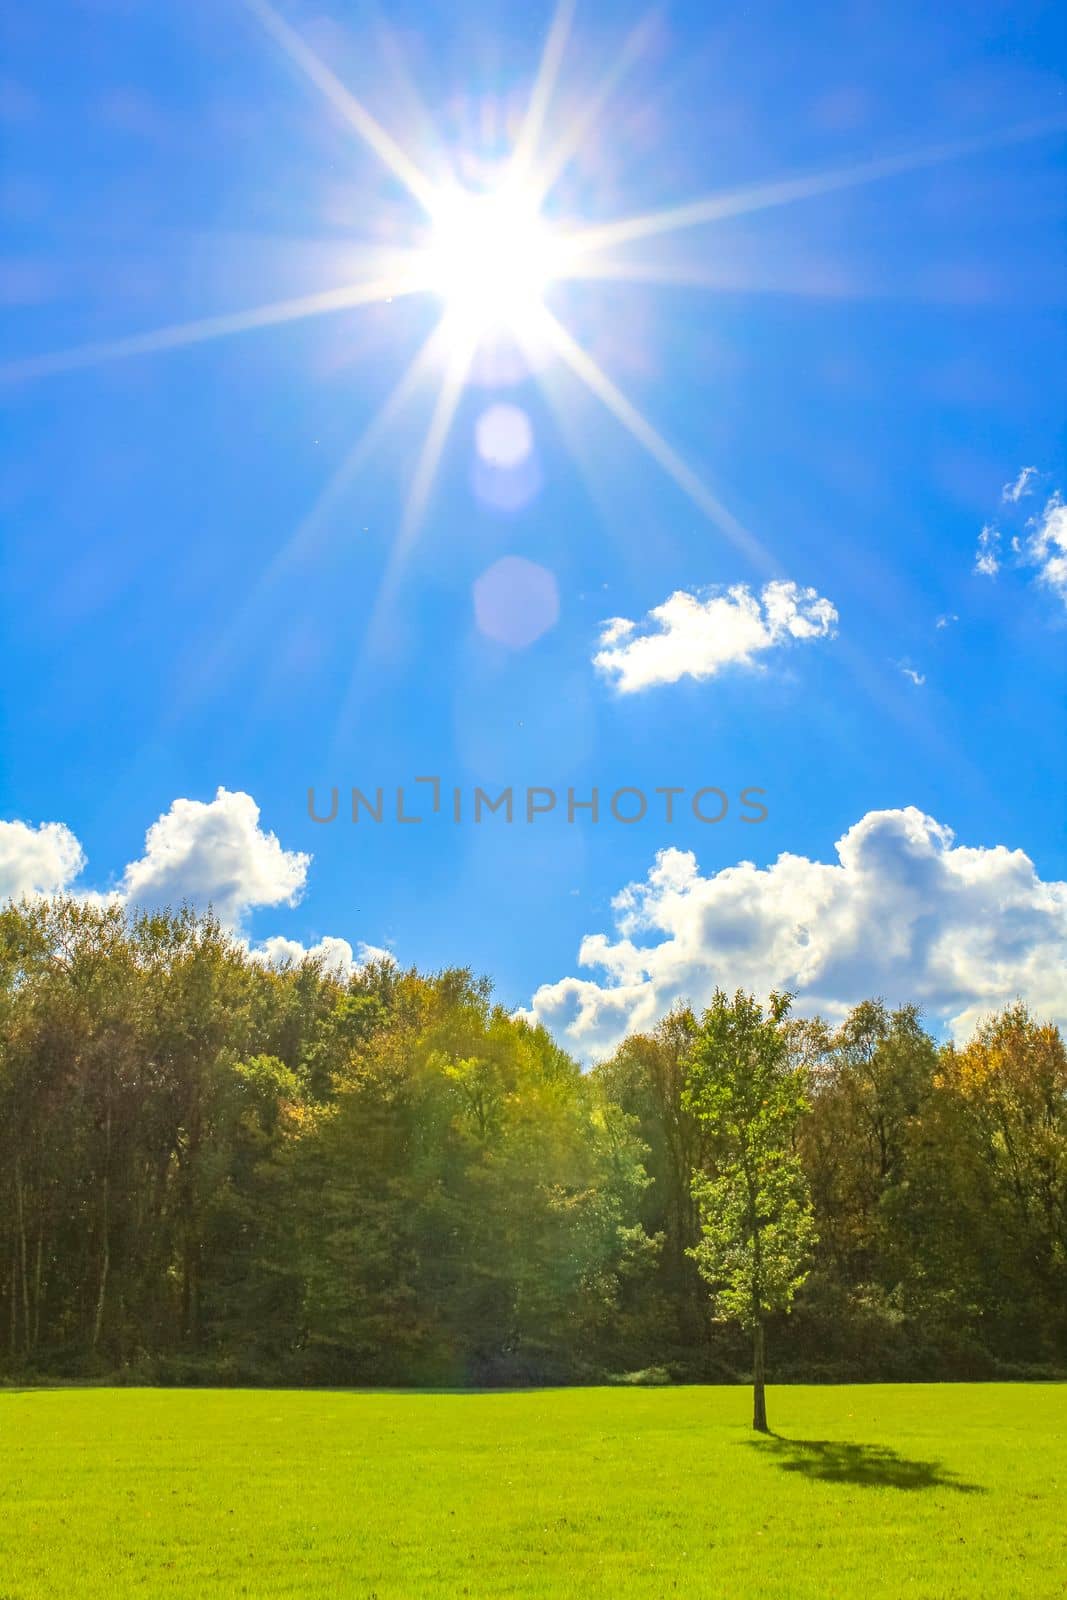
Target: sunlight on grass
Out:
[882,1490]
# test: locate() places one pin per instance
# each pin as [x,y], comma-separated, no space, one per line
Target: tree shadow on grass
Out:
[870,1466]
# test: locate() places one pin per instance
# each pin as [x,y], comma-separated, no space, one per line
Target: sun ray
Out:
[598,382]
[460,355]
[408,105]
[774,277]
[403,390]
[177,334]
[301,542]
[768,274]
[344,101]
[555,163]
[459,360]
[762,196]
[522,159]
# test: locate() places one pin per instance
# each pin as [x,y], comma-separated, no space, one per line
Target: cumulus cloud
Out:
[946,620]
[903,912]
[336,955]
[987,556]
[1047,547]
[215,853]
[697,635]
[41,860]
[917,678]
[1023,485]
[206,853]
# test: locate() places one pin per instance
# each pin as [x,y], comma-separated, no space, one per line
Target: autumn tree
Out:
[215,1168]
[646,1078]
[755,1208]
[1002,1126]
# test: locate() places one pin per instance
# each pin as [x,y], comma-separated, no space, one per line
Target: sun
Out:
[490,259]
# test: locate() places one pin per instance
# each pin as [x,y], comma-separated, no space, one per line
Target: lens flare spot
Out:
[515,602]
[503,437]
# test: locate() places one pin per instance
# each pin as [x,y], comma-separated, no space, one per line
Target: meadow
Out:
[880,1490]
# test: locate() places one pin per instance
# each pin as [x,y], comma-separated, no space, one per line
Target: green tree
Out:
[646,1079]
[209,1167]
[755,1208]
[998,1154]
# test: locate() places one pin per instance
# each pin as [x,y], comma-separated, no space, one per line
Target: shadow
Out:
[870,1466]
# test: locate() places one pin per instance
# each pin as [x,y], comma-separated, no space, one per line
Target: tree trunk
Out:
[37,1285]
[14,1339]
[23,1267]
[759,1396]
[191,1224]
[105,1230]
[191,1291]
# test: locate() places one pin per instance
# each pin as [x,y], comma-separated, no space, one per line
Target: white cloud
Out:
[903,912]
[41,860]
[1044,547]
[336,955]
[207,853]
[987,556]
[1047,548]
[215,853]
[210,853]
[1023,485]
[917,678]
[696,635]
[947,620]
[614,629]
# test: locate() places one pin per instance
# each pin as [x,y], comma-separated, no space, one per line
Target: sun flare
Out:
[490,259]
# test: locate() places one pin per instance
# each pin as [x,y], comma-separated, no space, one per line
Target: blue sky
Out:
[856,375]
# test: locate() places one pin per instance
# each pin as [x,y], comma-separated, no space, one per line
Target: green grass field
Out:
[892,1490]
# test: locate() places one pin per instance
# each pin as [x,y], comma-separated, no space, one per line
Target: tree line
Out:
[211,1170]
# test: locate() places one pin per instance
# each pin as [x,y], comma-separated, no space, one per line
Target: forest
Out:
[212,1171]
